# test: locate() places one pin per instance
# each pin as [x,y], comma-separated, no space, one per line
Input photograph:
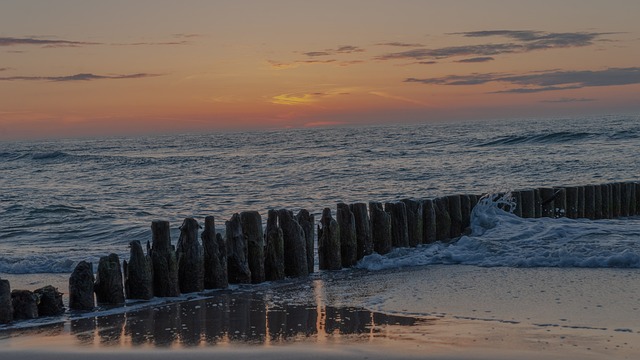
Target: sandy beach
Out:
[433,312]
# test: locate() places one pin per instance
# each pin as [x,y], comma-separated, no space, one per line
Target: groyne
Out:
[247,253]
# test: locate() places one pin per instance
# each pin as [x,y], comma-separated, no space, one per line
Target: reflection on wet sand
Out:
[227,318]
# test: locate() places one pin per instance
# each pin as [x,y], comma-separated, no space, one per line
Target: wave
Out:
[49,155]
[36,264]
[501,239]
[550,138]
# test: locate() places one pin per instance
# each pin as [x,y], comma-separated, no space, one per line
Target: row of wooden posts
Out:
[285,248]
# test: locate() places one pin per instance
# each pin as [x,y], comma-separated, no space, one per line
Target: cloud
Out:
[543,81]
[519,41]
[386,95]
[292,65]
[77,77]
[307,98]
[567,100]
[400,44]
[4,69]
[480,59]
[11,41]
[343,49]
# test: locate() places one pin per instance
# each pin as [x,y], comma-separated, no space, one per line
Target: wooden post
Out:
[50,301]
[455,213]
[590,202]
[547,197]
[329,242]
[616,200]
[380,228]
[414,221]
[215,256]
[307,221]
[237,252]
[399,230]
[633,199]
[81,287]
[637,198]
[6,305]
[597,202]
[443,220]
[429,213]
[363,229]
[527,203]
[606,201]
[537,203]
[108,286]
[348,241]
[465,207]
[295,246]
[625,199]
[560,202]
[581,202]
[190,255]
[517,199]
[138,273]
[572,202]
[254,236]
[164,261]
[25,305]
[274,251]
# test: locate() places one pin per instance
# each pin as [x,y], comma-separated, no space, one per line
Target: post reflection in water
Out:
[257,318]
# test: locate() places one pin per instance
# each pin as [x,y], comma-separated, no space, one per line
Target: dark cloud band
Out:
[77,77]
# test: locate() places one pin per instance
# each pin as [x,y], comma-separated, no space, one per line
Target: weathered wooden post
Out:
[399,230]
[637,186]
[527,203]
[237,252]
[429,222]
[81,285]
[625,199]
[415,220]
[516,197]
[215,256]
[329,242]
[6,305]
[190,255]
[597,202]
[537,198]
[25,305]
[455,212]
[560,202]
[633,199]
[108,286]
[581,202]
[295,246]
[348,240]
[443,220]
[465,208]
[50,301]
[307,221]
[380,228]
[606,201]
[547,196]
[572,202]
[616,200]
[590,202]
[138,273]
[363,229]
[163,260]
[254,237]
[274,249]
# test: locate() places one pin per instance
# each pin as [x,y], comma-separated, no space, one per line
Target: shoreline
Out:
[447,311]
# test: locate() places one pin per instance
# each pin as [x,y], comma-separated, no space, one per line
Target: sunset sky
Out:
[73,68]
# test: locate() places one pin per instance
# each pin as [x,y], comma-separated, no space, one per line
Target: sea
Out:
[67,200]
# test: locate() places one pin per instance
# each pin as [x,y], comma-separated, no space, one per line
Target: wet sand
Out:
[433,312]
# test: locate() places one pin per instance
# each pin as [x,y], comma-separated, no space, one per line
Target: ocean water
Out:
[63,201]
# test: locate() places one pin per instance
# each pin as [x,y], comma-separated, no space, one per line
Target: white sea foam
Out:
[499,238]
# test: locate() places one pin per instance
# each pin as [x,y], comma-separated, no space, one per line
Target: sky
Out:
[76,68]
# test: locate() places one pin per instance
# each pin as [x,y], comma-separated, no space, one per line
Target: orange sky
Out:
[93,68]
